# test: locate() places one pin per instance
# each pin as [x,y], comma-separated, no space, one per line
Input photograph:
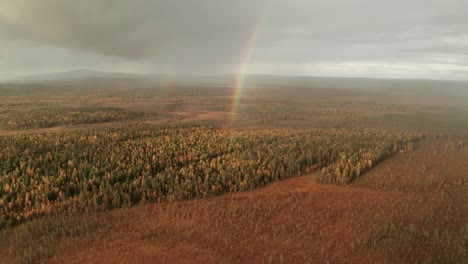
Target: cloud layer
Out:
[415,39]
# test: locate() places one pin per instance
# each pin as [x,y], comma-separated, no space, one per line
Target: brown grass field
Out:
[410,208]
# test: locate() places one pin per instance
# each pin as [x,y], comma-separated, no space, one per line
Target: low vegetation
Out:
[447,245]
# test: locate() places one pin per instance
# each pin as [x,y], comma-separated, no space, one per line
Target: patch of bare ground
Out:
[377,219]
[190,114]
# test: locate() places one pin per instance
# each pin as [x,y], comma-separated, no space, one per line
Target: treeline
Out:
[63,116]
[99,170]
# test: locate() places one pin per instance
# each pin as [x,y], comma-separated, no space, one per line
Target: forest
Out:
[98,170]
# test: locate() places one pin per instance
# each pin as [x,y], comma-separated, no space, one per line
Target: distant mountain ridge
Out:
[77,74]
[233,80]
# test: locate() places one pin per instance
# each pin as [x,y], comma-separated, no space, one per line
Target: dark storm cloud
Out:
[330,37]
[129,29]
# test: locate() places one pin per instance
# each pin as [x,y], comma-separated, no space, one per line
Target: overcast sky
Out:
[359,38]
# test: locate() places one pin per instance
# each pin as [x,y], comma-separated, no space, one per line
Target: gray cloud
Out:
[327,37]
[128,29]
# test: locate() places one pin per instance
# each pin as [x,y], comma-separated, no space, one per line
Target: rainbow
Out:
[240,77]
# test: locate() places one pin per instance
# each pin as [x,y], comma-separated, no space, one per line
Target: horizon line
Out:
[18,78]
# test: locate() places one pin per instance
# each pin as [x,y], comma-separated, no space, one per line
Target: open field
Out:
[152,173]
[392,105]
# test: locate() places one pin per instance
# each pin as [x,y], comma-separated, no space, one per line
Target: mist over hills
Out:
[78,74]
[89,75]
[252,80]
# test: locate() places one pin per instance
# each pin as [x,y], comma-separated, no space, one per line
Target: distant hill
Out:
[79,74]
[88,75]
[396,86]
